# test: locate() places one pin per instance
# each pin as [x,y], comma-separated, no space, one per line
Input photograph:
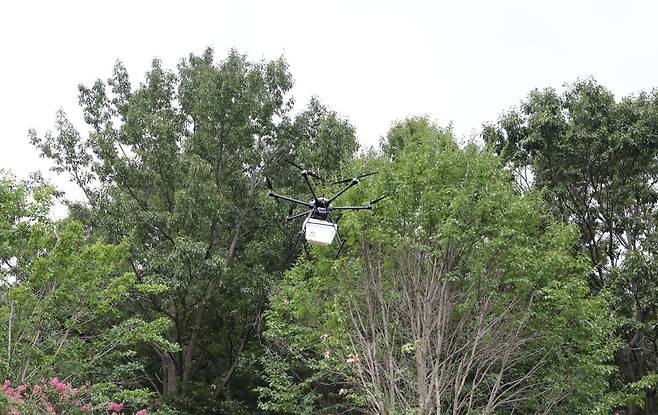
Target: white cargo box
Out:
[319,232]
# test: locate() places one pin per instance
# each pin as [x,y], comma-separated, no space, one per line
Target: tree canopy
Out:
[595,160]
[514,277]
[458,295]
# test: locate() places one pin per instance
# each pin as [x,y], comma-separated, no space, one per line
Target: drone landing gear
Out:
[340,245]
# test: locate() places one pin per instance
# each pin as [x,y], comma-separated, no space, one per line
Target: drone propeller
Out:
[268,183]
[310,173]
[299,234]
[367,206]
[372,202]
[352,178]
[291,252]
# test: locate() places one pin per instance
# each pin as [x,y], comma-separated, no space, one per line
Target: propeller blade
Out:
[291,253]
[299,234]
[377,200]
[292,163]
[352,178]
[310,173]
[268,183]
[315,176]
[340,181]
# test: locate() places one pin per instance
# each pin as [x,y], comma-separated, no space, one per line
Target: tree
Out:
[595,159]
[23,230]
[63,298]
[176,165]
[425,345]
[457,295]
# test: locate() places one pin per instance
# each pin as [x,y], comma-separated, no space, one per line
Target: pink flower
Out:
[54,381]
[85,408]
[142,412]
[60,387]
[114,406]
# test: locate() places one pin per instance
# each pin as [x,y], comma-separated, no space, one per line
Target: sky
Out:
[374,62]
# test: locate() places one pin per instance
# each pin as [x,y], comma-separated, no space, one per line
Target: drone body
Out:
[320,227]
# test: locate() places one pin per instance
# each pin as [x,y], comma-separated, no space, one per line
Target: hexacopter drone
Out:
[320,227]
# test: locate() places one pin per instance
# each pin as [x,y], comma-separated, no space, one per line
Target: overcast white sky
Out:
[372,61]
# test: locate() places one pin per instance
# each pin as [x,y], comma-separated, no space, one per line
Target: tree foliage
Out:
[491,280]
[64,300]
[458,294]
[595,160]
[175,167]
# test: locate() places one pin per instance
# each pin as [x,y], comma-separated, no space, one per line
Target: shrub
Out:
[53,397]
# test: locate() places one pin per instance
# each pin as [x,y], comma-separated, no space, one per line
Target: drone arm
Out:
[364,207]
[310,186]
[299,215]
[367,206]
[289,199]
[352,183]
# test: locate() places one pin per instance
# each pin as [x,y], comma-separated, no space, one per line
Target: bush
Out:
[55,397]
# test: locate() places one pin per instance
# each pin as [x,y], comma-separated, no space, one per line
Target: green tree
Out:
[595,159]
[63,299]
[455,260]
[176,166]
[24,229]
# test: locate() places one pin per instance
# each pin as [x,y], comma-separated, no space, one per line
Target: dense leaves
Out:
[455,261]
[175,168]
[499,280]
[64,300]
[596,161]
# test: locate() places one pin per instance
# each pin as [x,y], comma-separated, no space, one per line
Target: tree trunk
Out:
[190,348]
[650,407]
[170,381]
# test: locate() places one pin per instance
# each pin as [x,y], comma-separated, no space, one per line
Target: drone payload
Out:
[320,227]
[319,232]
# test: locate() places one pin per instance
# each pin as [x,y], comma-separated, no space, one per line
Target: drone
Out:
[320,227]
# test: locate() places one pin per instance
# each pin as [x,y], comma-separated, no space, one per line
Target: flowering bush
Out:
[55,397]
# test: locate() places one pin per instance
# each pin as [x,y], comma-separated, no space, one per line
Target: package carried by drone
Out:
[319,232]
